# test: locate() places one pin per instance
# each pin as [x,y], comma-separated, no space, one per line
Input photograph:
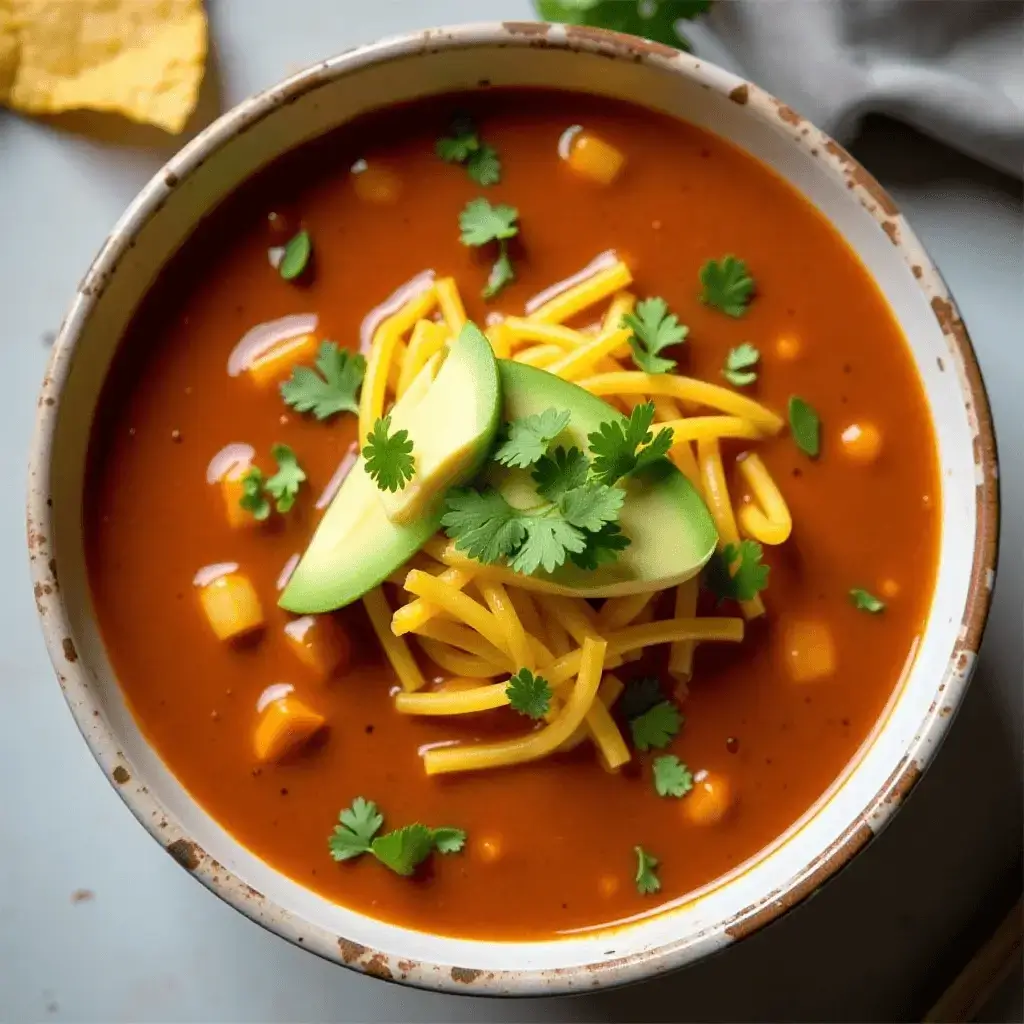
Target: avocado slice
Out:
[671,532]
[357,545]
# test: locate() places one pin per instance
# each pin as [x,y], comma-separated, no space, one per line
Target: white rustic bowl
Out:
[473,57]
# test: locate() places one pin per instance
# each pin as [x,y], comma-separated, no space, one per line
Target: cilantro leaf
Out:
[529,694]
[337,390]
[639,696]
[739,365]
[656,727]
[463,142]
[654,329]
[404,849]
[284,485]
[591,506]
[727,285]
[359,824]
[646,865]
[297,252]
[527,439]
[737,573]
[865,601]
[389,461]
[548,542]
[805,426]
[253,499]
[464,146]
[484,165]
[650,19]
[481,223]
[671,776]
[483,525]
[448,840]
[602,547]
[502,273]
[561,471]
[616,447]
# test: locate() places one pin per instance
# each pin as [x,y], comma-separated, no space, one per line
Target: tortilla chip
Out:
[143,59]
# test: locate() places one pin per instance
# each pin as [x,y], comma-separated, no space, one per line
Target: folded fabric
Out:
[953,69]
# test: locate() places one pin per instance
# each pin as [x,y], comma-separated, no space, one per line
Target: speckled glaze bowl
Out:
[475,57]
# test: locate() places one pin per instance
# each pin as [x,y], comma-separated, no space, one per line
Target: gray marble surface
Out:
[148,944]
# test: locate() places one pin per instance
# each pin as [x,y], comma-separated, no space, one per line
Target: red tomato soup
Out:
[651,755]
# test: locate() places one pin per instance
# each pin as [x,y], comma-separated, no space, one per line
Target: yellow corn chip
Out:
[140,58]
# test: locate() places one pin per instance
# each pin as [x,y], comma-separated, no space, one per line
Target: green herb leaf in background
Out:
[649,19]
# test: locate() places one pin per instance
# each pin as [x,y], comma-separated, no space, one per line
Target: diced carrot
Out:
[862,442]
[374,183]
[810,651]
[231,489]
[320,642]
[275,365]
[285,725]
[490,849]
[231,606]
[710,800]
[787,348]
[596,159]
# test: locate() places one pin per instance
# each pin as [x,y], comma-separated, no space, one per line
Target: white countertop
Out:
[141,941]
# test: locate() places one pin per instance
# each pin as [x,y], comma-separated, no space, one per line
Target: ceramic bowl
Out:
[477,57]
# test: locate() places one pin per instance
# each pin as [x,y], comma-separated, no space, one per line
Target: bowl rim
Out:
[73,676]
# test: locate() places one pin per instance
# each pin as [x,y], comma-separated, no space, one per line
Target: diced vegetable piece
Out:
[710,800]
[592,157]
[231,489]
[285,725]
[810,651]
[889,588]
[374,183]
[862,442]
[231,606]
[320,642]
[787,348]
[489,849]
[608,886]
[276,364]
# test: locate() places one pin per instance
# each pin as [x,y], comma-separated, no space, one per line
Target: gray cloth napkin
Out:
[953,69]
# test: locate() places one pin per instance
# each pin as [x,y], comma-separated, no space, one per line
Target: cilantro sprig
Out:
[654,721]
[389,460]
[865,601]
[671,776]
[737,573]
[576,516]
[481,224]
[527,439]
[620,449]
[334,389]
[283,486]
[727,285]
[464,146]
[402,850]
[646,877]
[528,694]
[654,329]
[740,365]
